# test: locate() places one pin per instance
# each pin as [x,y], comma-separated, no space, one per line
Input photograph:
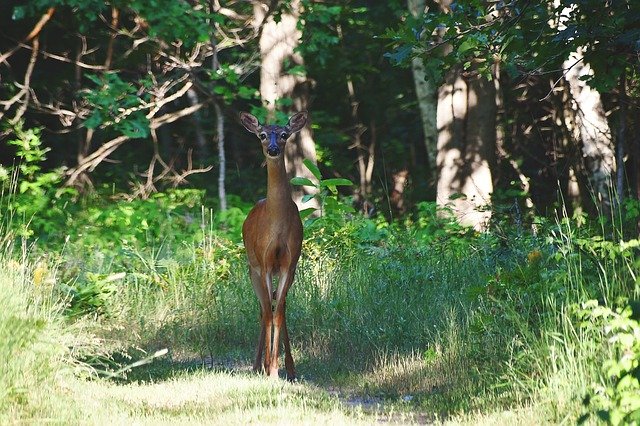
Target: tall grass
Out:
[39,350]
[392,322]
[561,358]
[424,317]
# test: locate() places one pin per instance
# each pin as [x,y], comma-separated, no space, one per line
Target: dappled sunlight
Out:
[416,374]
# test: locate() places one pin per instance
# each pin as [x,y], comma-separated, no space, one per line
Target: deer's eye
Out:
[262,136]
[284,135]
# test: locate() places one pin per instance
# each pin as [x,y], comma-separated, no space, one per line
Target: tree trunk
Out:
[426,95]
[278,41]
[222,161]
[202,150]
[466,145]
[222,158]
[592,129]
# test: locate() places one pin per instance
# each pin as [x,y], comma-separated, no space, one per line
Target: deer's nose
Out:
[273,149]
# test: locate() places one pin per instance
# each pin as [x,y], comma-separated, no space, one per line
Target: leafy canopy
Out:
[523,36]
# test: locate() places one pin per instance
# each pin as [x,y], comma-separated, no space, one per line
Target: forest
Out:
[467,174]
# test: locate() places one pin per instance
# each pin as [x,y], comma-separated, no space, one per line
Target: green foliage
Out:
[322,17]
[91,295]
[436,227]
[118,104]
[331,209]
[40,352]
[230,86]
[38,189]
[31,154]
[109,224]
[616,401]
[522,37]
[171,20]
[167,20]
[86,12]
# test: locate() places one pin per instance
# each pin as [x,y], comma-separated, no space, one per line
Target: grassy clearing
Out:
[411,328]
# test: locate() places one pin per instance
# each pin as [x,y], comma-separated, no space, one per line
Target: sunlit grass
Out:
[206,397]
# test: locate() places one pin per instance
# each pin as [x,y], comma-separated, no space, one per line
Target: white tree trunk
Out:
[592,129]
[222,162]
[466,145]
[277,44]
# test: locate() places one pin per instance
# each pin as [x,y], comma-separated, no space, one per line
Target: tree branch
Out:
[35,32]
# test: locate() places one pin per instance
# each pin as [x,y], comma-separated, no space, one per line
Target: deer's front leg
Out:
[261,288]
[280,325]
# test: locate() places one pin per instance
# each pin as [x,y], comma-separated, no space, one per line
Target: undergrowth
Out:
[423,315]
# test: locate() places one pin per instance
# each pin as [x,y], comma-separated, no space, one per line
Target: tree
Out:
[517,37]
[108,95]
[425,92]
[466,144]
[591,128]
[284,86]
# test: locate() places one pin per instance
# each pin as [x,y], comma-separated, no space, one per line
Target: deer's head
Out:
[273,137]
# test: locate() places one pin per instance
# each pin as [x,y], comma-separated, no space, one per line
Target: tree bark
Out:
[222,161]
[466,146]
[592,129]
[426,96]
[278,41]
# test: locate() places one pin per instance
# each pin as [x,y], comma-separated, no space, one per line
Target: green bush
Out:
[616,398]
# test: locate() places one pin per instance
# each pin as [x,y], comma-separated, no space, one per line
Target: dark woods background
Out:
[133,97]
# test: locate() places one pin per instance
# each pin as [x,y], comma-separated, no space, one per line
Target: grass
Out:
[464,330]
[203,397]
[39,350]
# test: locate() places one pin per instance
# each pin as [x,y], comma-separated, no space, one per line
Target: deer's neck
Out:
[278,188]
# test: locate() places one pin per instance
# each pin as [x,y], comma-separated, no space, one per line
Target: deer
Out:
[272,236]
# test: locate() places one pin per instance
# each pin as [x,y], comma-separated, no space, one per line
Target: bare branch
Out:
[115,17]
[564,74]
[173,116]
[178,178]
[35,32]
[90,162]
[24,92]
[162,102]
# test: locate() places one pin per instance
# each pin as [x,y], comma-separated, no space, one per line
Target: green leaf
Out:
[302,181]
[94,120]
[400,55]
[298,70]
[468,44]
[336,182]
[307,212]
[457,196]
[19,12]
[312,168]
[308,197]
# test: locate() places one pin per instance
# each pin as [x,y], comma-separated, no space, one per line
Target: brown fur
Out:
[272,235]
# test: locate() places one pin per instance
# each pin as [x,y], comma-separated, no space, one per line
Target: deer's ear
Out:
[297,121]
[249,122]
